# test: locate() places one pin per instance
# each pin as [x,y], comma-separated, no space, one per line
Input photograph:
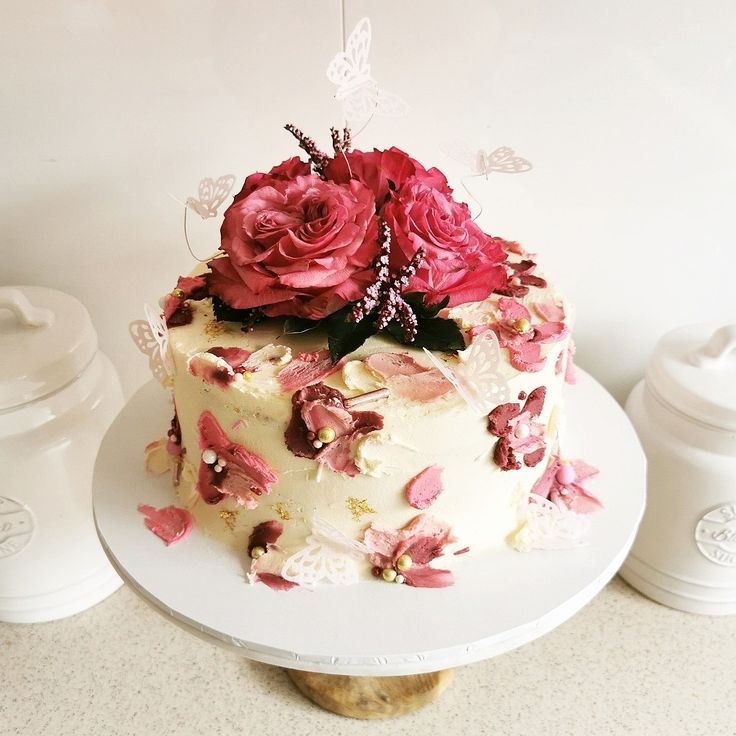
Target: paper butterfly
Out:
[152,338]
[553,526]
[356,89]
[329,556]
[477,378]
[211,195]
[502,160]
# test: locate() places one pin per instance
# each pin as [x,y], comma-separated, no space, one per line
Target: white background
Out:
[626,109]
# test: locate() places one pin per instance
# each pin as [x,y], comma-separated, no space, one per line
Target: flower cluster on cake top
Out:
[357,242]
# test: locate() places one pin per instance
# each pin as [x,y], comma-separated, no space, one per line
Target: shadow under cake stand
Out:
[372,650]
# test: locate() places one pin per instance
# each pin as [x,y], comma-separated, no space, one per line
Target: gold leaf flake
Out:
[230,518]
[214,328]
[358,507]
[282,510]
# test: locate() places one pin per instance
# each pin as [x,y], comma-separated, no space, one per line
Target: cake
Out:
[364,381]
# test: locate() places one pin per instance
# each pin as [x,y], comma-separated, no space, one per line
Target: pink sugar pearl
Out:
[565,475]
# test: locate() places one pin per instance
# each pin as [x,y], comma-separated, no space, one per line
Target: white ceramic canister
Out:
[58,395]
[685,413]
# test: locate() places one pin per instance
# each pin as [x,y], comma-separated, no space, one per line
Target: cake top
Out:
[359,244]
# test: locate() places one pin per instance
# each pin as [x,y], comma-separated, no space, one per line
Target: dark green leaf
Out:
[416,302]
[433,334]
[439,334]
[344,335]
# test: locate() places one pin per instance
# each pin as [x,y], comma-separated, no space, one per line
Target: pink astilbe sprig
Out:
[383,296]
[318,158]
[341,142]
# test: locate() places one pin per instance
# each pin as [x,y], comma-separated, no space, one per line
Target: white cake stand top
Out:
[500,600]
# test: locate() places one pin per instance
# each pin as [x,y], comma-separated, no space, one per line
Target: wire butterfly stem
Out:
[472,196]
[186,238]
[367,122]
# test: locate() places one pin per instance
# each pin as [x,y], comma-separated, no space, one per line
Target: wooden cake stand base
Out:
[371,698]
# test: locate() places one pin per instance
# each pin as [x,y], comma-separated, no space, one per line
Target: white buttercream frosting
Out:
[479,500]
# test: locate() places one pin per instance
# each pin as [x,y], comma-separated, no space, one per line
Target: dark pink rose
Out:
[289,169]
[462,262]
[376,169]
[299,247]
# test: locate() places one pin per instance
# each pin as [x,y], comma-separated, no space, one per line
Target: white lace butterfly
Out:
[553,526]
[502,160]
[356,88]
[152,338]
[477,377]
[211,195]
[329,556]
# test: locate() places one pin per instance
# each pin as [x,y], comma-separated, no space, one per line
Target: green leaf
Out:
[432,333]
[299,325]
[439,334]
[344,335]
[416,302]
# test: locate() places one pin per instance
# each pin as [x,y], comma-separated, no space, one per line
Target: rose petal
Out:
[275,582]
[549,332]
[234,357]
[264,534]
[421,549]
[426,386]
[171,524]
[422,490]
[424,576]
[318,415]
[388,365]
[550,311]
[245,476]
[306,369]
[337,456]
[211,369]
[511,310]
[535,401]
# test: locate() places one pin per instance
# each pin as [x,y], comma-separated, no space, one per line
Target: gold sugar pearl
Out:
[522,325]
[326,435]
[389,575]
[257,552]
[404,563]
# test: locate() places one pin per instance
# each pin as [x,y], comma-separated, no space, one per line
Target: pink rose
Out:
[298,246]
[462,262]
[376,169]
[289,169]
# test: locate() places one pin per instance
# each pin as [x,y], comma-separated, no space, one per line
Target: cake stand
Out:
[366,650]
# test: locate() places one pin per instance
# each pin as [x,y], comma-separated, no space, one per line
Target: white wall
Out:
[627,110]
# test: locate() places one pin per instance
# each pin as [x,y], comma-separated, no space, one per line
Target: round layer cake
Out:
[364,381]
[425,424]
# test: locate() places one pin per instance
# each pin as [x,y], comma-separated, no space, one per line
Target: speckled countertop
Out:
[623,665]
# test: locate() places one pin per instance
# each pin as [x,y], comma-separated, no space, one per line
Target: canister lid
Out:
[46,341]
[693,369]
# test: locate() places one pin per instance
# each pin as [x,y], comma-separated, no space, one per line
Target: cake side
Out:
[479,500]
